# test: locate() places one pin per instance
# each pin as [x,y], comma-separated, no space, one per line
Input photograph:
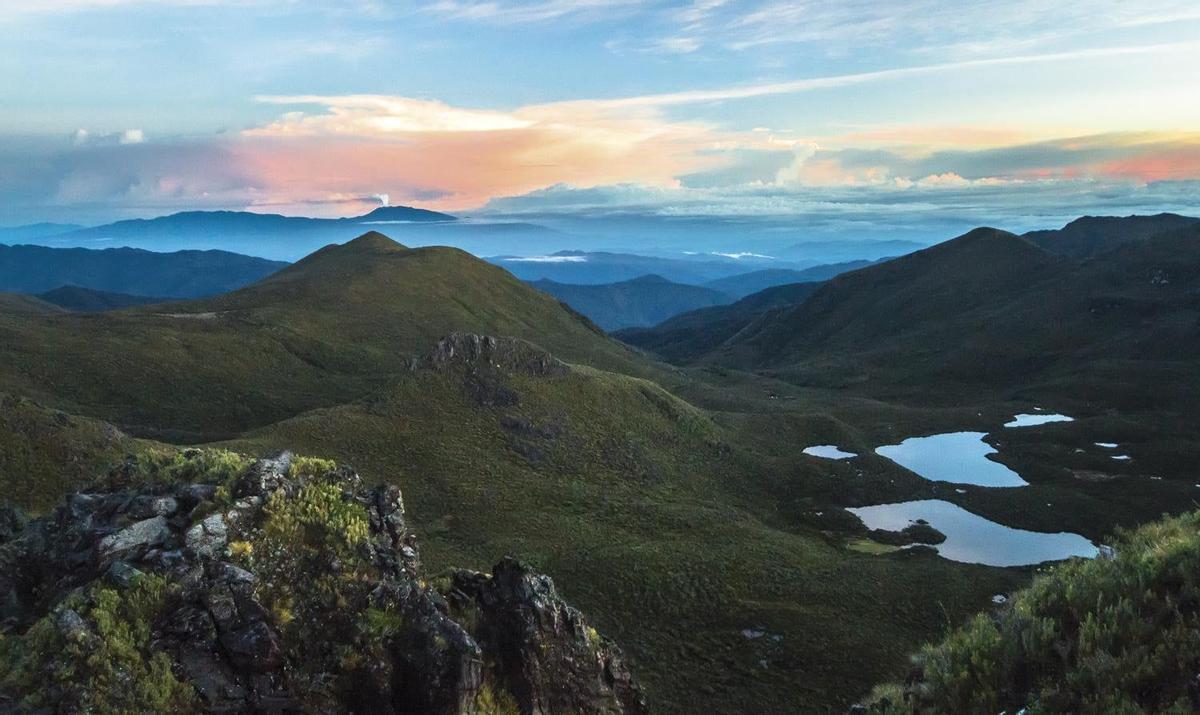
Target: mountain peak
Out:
[373,241]
[404,214]
[980,242]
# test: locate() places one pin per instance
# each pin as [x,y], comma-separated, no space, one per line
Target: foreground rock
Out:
[208,582]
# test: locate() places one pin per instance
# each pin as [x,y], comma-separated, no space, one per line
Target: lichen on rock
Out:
[219,583]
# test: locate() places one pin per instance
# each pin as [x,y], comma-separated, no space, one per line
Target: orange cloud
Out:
[366,145]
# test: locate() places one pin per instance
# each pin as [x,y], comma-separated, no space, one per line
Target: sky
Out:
[869,114]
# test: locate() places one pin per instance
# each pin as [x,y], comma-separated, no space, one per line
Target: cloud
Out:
[844,80]
[470,155]
[930,26]
[84,137]
[363,115]
[531,11]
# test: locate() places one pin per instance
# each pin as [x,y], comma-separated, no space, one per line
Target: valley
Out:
[680,504]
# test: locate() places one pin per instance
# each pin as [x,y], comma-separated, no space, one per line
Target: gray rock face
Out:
[12,521]
[507,354]
[309,623]
[209,537]
[140,535]
[553,661]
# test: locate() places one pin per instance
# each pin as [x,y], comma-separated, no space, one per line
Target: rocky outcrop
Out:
[286,586]
[506,354]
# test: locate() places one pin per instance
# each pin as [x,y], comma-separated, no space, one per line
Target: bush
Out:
[106,665]
[1109,635]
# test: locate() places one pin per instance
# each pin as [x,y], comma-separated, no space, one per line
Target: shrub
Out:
[1109,635]
[106,666]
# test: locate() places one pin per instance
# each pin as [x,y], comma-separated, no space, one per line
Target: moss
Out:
[490,700]
[310,467]
[317,516]
[313,576]
[169,467]
[108,666]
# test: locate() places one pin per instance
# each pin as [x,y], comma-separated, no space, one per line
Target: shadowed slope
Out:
[1093,235]
[993,311]
[647,300]
[691,335]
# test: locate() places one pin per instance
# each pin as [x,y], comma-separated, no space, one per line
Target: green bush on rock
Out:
[94,650]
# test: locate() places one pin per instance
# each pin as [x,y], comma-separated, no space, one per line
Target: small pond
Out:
[1031,420]
[960,457]
[970,538]
[828,451]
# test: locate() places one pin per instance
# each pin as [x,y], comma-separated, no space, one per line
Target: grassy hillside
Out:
[45,453]
[647,300]
[86,300]
[1118,635]
[652,519]
[693,334]
[321,332]
[26,305]
[990,311]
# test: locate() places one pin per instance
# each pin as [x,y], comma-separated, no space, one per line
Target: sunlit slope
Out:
[321,332]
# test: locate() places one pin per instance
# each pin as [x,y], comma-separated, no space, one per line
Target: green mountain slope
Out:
[649,516]
[915,305]
[13,304]
[992,310]
[647,300]
[45,453]
[321,332]
[87,300]
[691,335]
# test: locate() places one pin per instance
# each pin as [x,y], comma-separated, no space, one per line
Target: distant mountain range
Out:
[289,238]
[131,271]
[596,267]
[1092,235]
[269,235]
[647,300]
[744,284]
[699,331]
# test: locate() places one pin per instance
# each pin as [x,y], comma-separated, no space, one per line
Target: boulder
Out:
[138,536]
[208,537]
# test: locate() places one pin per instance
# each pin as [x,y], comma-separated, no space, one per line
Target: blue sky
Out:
[974,111]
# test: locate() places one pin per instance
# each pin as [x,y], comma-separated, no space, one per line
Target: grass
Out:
[46,453]
[674,524]
[650,519]
[327,330]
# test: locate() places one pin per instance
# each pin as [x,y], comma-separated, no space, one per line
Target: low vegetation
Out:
[94,654]
[1113,635]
